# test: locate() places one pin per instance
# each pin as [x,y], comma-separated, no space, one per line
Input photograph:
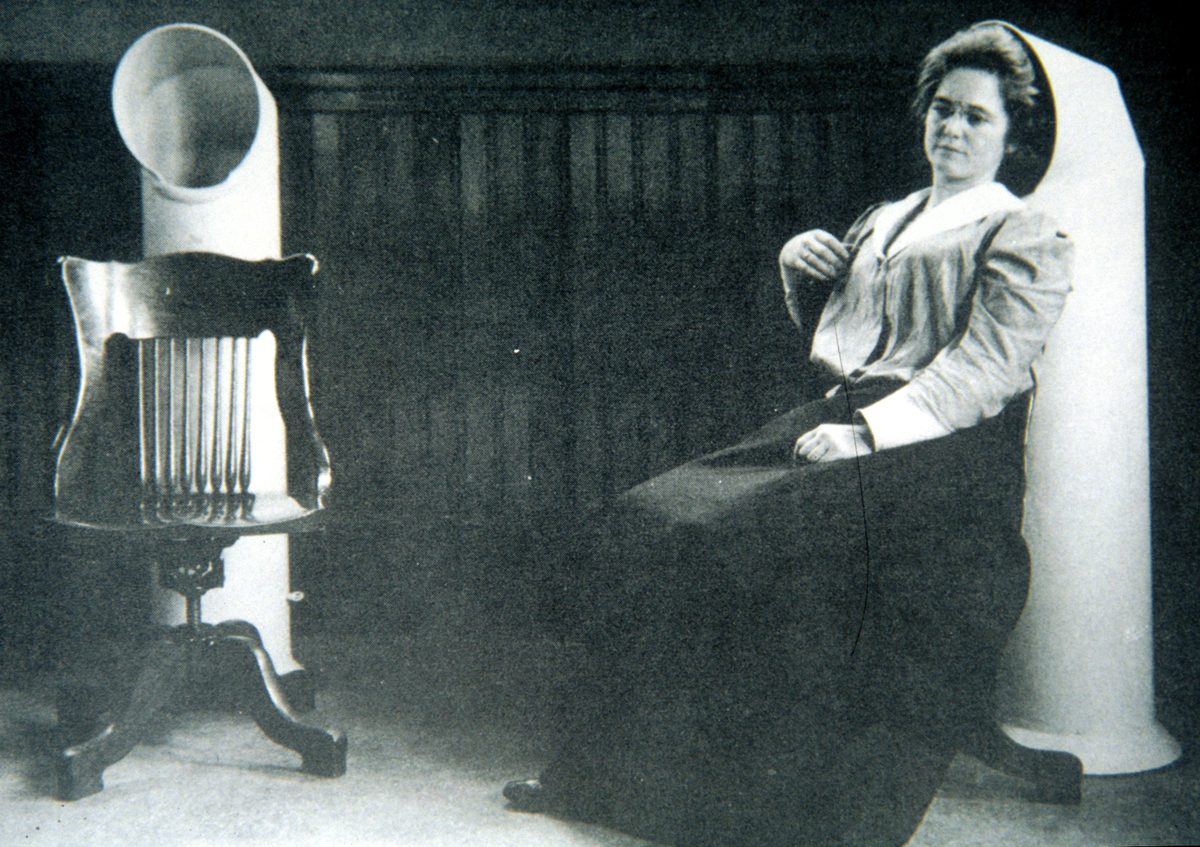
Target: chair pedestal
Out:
[230,651]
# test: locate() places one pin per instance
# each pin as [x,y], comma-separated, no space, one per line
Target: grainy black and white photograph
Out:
[762,423]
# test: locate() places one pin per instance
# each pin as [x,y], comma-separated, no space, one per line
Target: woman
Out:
[790,635]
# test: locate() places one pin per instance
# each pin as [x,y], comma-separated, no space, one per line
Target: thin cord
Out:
[862,619]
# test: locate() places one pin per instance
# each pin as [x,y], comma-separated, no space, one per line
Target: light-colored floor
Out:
[437,724]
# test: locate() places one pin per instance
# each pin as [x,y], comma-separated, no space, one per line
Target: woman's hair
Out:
[994,47]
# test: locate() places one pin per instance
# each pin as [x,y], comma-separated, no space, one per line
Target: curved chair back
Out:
[193,403]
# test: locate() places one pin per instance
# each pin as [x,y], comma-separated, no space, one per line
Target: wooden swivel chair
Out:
[173,452]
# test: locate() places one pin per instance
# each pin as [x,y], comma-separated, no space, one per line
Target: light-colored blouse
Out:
[956,300]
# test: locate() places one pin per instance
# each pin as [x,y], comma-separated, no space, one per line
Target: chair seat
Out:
[257,514]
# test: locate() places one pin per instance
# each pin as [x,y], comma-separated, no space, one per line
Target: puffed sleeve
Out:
[1022,281]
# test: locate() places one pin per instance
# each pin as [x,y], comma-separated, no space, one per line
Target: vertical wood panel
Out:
[550,349]
[515,228]
[510,163]
[475,387]
[767,170]
[432,305]
[656,164]
[587,376]
[360,150]
[804,164]
[838,162]
[327,187]
[398,165]
[296,182]
[693,166]
[733,166]
[583,152]
[474,294]
[474,164]
[395,238]
[618,165]
[325,134]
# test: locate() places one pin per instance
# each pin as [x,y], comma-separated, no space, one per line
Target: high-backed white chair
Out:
[1078,674]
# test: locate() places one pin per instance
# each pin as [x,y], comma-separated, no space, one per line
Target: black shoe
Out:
[526,795]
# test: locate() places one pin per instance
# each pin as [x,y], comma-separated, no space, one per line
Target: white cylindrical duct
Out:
[204,128]
[1078,673]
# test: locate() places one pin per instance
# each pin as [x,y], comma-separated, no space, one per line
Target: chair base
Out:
[1057,777]
[170,667]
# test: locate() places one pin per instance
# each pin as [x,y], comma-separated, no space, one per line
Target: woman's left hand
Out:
[829,442]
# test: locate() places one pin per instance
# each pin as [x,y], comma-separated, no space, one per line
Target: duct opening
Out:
[187,105]
[1023,172]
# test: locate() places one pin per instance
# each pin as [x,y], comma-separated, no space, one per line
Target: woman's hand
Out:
[833,441]
[816,253]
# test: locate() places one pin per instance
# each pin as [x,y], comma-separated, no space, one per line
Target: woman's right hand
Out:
[816,253]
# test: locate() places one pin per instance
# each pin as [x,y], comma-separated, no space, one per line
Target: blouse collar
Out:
[963,208]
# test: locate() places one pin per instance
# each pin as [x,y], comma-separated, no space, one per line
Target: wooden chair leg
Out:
[322,752]
[1056,776]
[82,711]
[299,686]
[79,769]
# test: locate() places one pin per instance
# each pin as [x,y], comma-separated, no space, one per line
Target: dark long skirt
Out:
[787,653]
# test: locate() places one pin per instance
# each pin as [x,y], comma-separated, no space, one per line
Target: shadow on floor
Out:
[438,721]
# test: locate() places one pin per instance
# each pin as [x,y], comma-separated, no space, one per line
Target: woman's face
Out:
[965,129]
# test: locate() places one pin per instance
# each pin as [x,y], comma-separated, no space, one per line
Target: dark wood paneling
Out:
[541,286]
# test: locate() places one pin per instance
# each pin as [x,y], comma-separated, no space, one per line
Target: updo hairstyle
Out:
[995,48]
